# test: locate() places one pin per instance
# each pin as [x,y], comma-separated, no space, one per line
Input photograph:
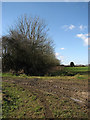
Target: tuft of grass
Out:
[81,77]
[38,108]
[34,97]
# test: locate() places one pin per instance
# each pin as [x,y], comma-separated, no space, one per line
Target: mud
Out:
[75,90]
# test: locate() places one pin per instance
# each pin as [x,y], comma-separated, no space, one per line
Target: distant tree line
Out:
[27,47]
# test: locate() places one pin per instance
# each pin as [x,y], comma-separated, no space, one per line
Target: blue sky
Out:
[67,21]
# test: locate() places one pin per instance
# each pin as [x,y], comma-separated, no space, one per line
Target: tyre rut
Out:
[35,91]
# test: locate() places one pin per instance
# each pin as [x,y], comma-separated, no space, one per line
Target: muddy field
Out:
[60,97]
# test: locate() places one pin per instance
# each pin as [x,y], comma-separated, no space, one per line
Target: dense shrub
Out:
[28,47]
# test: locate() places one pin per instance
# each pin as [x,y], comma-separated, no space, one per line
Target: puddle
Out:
[76,100]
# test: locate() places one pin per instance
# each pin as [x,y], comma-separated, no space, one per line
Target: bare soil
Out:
[73,92]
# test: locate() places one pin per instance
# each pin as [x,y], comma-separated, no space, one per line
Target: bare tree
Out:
[28,47]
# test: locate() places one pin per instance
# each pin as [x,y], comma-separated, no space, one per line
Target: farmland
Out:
[47,96]
[77,69]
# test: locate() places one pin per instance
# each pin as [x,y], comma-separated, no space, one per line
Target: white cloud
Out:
[84,37]
[71,27]
[65,27]
[62,48]
[82,27]
[68,27]
[57,54]
[60,57]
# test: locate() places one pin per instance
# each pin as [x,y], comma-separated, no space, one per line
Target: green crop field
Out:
[76,69]
[69,71]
